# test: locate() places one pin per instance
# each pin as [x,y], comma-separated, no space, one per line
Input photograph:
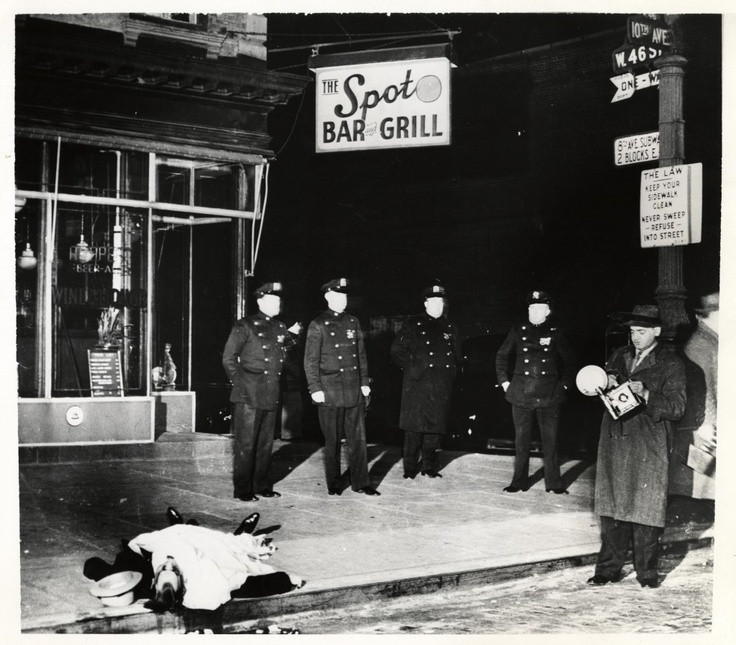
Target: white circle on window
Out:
[74,415]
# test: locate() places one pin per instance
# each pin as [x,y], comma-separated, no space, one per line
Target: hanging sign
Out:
[638,148]
[105,372]
[391,104]
[671,205]
[627,84]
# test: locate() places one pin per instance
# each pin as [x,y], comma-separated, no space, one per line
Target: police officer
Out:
[253,359]
[337,377]
[543,372]
[427,348]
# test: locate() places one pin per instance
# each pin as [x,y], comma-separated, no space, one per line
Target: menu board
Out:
[105,372]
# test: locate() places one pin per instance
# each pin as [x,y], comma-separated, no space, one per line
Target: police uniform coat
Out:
[428,351]
[253,359]
[543,365]
[334,359]
[633,452]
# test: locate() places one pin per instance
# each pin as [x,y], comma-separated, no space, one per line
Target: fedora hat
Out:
[642,316]
[708,303]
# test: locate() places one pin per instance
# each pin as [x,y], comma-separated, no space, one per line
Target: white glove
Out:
[296,328]
[365,390]
[505,385]
[318,397]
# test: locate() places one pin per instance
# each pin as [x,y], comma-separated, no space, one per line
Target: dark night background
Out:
[526,196]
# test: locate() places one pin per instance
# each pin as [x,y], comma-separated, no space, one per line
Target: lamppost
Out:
[671,292]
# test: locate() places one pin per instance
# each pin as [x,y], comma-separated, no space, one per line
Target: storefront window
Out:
[100,265]
[30,257]
[83,248]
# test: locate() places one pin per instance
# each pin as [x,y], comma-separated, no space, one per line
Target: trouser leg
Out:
[265,425]
[646,551]
[357,451]
[523,420]
[549,421]
[328,422]
[267,584]
[615,540]
[430,445]
[412,445]
[243,429]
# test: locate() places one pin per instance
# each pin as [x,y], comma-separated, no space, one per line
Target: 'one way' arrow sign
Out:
[627,84]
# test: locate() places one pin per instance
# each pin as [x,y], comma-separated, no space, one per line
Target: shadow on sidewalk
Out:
[388,457]
[688,515]
[290,456]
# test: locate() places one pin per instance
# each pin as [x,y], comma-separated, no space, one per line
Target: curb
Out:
[137,619]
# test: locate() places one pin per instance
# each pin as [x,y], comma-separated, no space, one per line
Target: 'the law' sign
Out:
[671,205]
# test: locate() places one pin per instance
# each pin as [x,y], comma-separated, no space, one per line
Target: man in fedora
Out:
[693,463]
[337,376]
[535,368]
[253,359]
[633,451]
[427,348]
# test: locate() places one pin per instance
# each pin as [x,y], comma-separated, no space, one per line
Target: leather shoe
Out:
[269,493]
[334,491]
[248,525]
[598,580]
[653,584]
[558,491]
[514,489]
[409,475]
[174,516]
[432,474]
[246,498]
[368,490]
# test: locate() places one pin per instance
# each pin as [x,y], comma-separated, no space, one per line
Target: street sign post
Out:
[637,148]
[627,84]
[671,205]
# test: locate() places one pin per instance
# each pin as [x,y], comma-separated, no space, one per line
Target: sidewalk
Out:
[417,536]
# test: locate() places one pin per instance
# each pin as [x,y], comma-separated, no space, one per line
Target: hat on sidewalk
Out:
[269,289]
[340,285]
[642,316]
[538,298]
[116,590]
[435,291]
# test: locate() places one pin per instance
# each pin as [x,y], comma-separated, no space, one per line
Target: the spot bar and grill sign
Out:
[394,98]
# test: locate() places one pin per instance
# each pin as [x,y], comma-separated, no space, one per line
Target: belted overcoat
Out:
[428,351]
[543,365]
[334,359]
[253,359]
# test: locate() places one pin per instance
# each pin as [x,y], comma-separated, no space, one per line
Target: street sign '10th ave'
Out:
[638,148]
[643,30]
[671,205]
[391,104]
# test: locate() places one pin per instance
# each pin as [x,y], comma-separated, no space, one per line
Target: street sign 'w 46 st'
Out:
[628,57]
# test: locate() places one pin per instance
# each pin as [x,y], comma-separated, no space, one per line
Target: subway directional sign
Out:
[628,57]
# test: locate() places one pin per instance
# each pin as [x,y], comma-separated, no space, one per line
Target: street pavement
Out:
[419,536]
[555,602]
